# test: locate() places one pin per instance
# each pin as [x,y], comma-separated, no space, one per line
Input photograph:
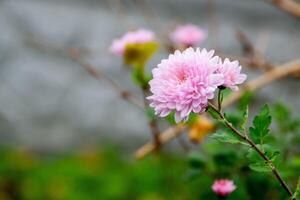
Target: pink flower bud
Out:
[223,187]
[232,74]
[140,36]
[188,35]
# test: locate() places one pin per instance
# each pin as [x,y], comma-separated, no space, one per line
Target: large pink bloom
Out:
[188,35]
[134,37]
[184,83]
[232,74]
[223,187]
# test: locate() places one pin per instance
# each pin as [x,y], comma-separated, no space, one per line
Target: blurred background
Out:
[56,119]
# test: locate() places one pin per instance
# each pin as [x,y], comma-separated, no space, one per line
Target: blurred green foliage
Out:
[108,173]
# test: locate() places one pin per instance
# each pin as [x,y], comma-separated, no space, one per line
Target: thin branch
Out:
[152,123]
[124,94]
[166,136]
[254,56]
[277,73]
[220,98]
[248,48]
[290,6]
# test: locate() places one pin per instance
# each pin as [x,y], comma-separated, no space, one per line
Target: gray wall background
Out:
[48,102]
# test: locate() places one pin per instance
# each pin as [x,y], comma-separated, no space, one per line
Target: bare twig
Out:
[166,136]
[289,6]
[254,57]
[248,48]
[124,94]
[275,74]
[152,122]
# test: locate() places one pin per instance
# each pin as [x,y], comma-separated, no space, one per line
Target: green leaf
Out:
[257,163]
[227,138]
[261,123]
[138,54]
[245,100]
[245,119]
[296,194]
[260,167]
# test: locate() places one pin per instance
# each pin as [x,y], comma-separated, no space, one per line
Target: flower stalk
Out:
[246,139]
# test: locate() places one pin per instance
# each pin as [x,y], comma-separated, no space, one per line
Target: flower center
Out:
[181,78]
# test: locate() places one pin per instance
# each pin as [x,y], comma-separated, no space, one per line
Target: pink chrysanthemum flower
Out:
[184,83]
[134,37]
[188,35]
[223,187]
[232,74]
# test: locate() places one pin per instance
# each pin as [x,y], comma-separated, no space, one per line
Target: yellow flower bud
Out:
[200,128]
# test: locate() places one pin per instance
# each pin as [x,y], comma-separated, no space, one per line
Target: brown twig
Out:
[254,56]
[167,135]
[152,122]
[289,6]
[275,74]
[124,94]
[248,48]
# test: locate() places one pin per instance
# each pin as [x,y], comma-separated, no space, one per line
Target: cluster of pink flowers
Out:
[134,37]
[188,35]
[187,80]
[223,187]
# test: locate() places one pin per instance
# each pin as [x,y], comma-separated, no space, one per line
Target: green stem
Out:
[220,100]
[254,146]
[145,89]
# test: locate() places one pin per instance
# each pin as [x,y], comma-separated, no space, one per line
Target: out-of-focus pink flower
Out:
[188,35]
[223,187]
[184,83]
[232,74]
[134,37]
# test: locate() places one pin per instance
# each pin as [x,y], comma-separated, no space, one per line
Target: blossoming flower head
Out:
[232,74]
[223,187]
[134,37]
[188,35]
[184,83]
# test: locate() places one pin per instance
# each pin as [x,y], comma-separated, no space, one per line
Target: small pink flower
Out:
[223,187]
[232,74]
[188,35]
[134,37]
[184,83]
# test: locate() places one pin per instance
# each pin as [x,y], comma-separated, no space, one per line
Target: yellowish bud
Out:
[200,128]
